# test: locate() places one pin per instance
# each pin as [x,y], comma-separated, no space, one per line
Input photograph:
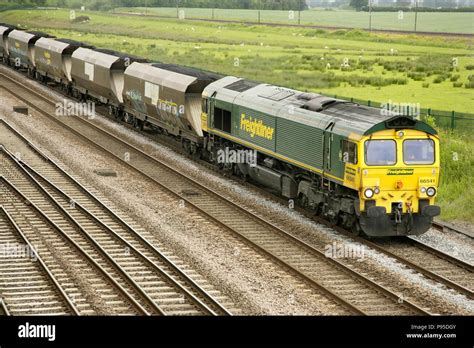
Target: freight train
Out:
[370,172]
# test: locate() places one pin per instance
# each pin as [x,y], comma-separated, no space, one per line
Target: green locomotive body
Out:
[313,149]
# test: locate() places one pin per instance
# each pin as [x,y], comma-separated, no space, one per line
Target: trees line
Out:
[230,4]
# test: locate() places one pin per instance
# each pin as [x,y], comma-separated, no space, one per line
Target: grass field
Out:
[381,67]
[427,21]
[456,191]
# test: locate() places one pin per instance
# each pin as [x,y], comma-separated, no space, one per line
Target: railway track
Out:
[73,194]
[3,308]
[435,264]
[443,226]
[356,292]
[53,244]
[446,269]
[136,261]
[26,283]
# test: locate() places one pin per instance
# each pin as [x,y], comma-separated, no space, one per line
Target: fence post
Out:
[368,102]
[452,120]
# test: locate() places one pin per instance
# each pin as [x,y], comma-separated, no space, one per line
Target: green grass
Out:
[292,58]
[450,22]
[456,192]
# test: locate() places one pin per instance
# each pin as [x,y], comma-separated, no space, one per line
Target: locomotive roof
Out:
[312,109]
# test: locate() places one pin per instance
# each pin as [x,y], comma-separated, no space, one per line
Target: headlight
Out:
[369,193]
[431,191]
[423,190]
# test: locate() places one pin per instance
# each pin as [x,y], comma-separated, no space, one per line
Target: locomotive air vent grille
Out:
[400,122]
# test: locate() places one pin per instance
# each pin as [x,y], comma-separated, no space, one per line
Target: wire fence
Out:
[453,120]
[409,21]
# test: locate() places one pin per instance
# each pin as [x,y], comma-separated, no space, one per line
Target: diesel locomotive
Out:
[372,172]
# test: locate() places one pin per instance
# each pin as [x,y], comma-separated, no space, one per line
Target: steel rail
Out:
[379,288]
[43,265]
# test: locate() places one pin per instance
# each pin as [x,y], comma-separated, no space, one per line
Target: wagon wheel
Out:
[356,229]
[334,220]
[126,117]
[303,200]
[318,209]
[139,124]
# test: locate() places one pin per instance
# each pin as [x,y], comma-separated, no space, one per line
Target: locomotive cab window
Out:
[349,152]
[418,151]
[222,119]
[380,152]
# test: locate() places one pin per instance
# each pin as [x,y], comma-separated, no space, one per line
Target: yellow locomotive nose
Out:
[405,168]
